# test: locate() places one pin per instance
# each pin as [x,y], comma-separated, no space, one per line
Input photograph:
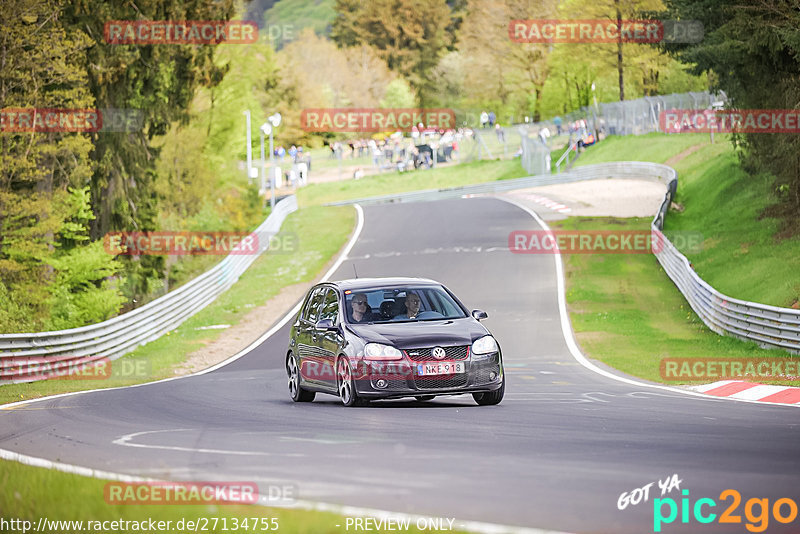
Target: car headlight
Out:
[484,345]
[376,351]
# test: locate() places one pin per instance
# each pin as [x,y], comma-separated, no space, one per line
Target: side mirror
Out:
[479,314]
[325,324]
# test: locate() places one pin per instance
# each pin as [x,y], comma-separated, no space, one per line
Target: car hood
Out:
[421,334]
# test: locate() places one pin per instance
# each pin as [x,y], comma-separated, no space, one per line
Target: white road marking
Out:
[126,441]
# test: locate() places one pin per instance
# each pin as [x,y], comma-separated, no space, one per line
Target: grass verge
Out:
[627,313]
[321,231]
[625,310]
[743,254]
[32,493]
[655,147]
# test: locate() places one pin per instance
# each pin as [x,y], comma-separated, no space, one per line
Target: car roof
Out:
[376,283]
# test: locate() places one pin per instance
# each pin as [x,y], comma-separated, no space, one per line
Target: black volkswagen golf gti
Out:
[382,338]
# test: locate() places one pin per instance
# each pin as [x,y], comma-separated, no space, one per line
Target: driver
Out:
[412,307]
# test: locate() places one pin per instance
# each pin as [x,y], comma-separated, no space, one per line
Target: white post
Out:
[271,173]
[249,148]
[263,163]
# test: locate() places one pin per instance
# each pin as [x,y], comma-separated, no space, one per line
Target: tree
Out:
[44,177]
[753,50]
[410,36]
[500,68]
[398,95]
[620,55]
[159,80]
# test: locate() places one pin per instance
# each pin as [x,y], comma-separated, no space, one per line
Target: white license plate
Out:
[441,368]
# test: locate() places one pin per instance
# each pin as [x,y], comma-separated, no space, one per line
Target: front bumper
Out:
[400,379]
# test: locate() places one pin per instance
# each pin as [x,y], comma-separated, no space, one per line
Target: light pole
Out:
[273,121]
[594,97]
[249,148]
[265,129]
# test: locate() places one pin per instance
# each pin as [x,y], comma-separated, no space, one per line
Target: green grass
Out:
[31,493]
[654,147]
[320,231]
[395,182]
[743,255]
[627,313]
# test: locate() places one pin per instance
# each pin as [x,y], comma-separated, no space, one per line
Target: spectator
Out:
[557,123]
[501,134]
[492,118]
[544,134]
[376,152]
[484,119]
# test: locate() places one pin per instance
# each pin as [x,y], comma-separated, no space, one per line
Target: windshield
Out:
[401,304]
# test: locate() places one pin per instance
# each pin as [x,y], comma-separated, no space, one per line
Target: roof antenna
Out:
[354,269]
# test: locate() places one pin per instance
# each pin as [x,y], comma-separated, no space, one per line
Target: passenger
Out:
[362,313]
[412,307]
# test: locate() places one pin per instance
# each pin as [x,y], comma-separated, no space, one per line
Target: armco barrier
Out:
[35,356]
[769,326]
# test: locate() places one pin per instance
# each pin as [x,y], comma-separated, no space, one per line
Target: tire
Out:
[296,392]
[492,397]
[345,384]
[425,398]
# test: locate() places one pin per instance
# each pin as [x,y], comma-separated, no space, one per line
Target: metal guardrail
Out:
[36,356]
[571,146]
[769,326]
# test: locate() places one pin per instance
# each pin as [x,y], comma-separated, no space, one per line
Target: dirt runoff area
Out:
[593,198]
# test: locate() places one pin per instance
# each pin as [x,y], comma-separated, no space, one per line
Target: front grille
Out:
[456,381]
[451,353]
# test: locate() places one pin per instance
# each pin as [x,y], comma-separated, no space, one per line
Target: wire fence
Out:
[630,117]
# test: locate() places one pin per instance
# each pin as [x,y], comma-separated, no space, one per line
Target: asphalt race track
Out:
[556,454]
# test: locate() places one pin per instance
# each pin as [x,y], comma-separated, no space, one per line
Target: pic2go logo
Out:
[757,511]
